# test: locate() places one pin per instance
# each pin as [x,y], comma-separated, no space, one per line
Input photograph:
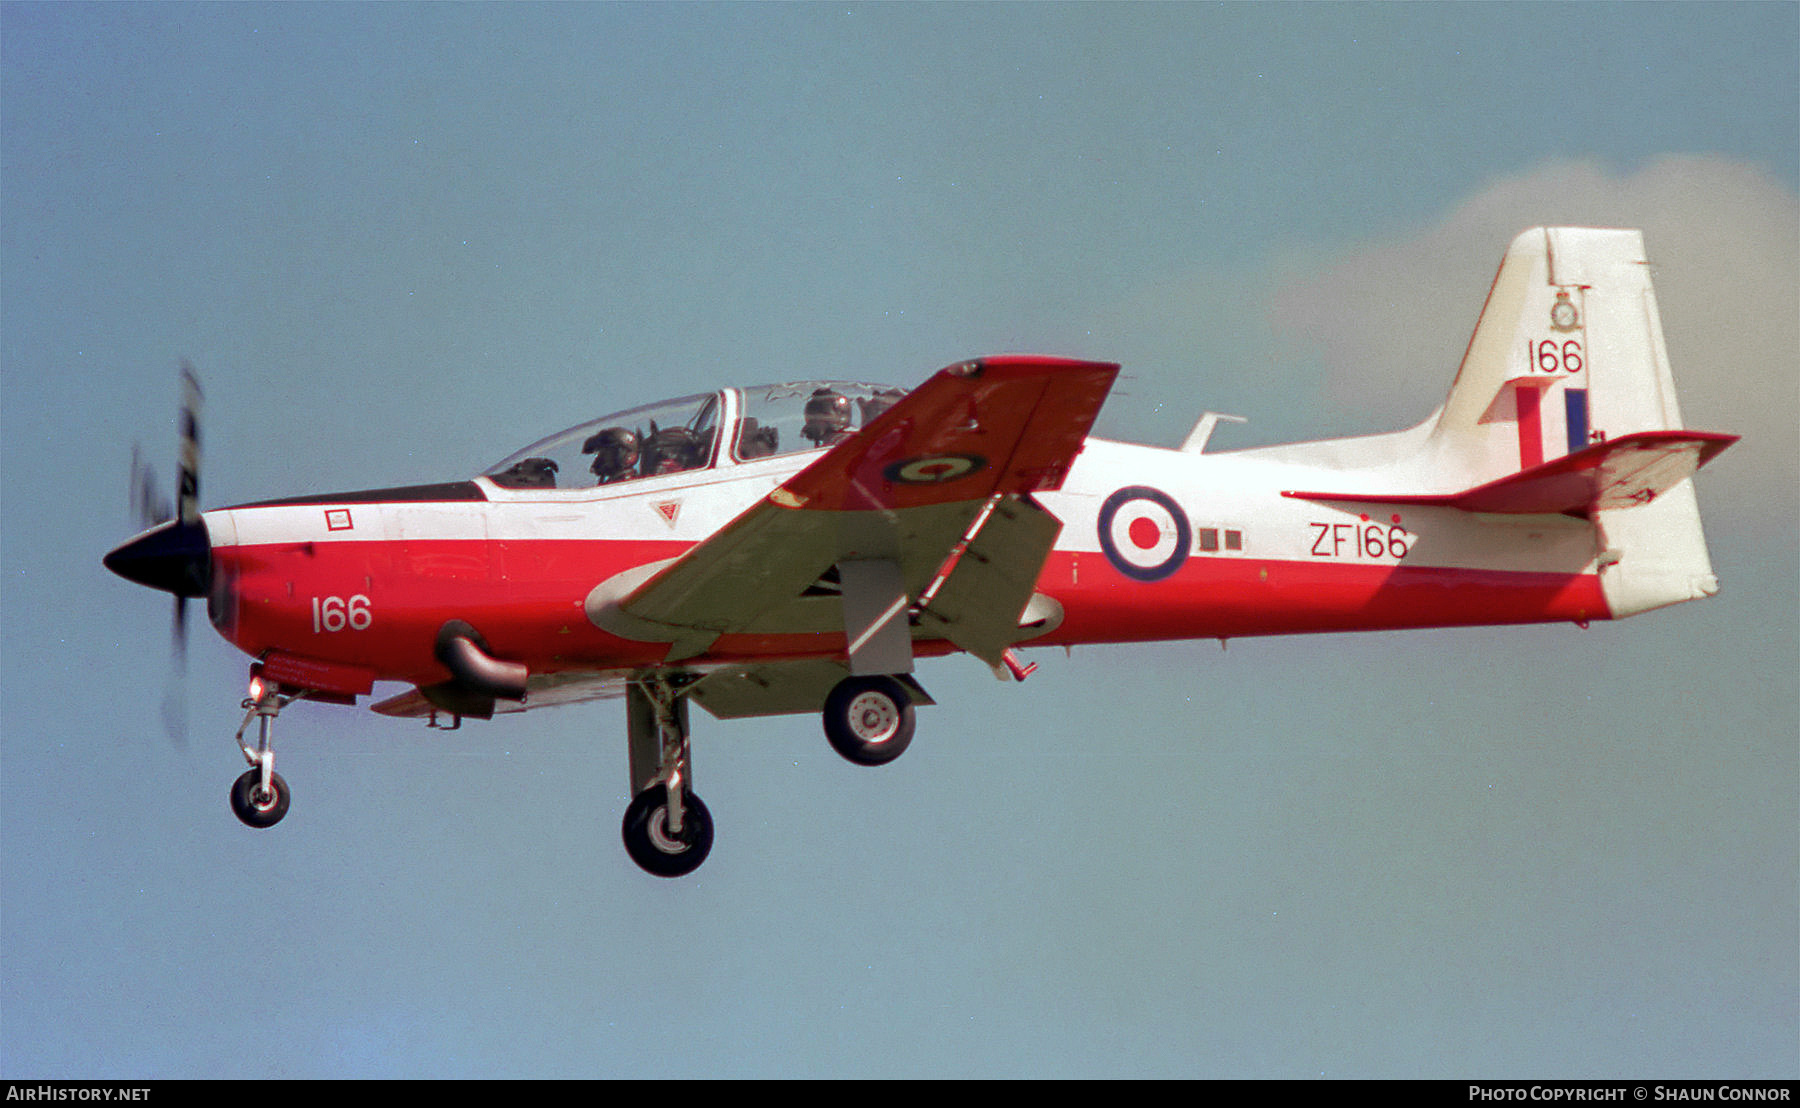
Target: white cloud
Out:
[1389,322]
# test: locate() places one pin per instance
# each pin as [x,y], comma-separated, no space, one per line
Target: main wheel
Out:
[254,806]
[647,838]
[869,720]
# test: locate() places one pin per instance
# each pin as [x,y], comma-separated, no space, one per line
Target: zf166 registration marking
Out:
[1367,540]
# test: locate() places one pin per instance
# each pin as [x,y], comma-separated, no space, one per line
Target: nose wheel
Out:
[256,803]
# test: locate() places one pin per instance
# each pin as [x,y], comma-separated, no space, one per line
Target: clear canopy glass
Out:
[696,432]
[806,415]
[669,437]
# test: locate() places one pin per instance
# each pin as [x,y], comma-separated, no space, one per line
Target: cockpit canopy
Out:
[697,432]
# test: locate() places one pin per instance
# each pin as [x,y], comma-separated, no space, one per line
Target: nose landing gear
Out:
[260,797]
[667,831]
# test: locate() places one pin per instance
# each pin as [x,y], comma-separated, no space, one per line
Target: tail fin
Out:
[1569,354]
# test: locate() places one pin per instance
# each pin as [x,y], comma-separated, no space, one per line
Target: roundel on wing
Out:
[933,469]
[1144,533]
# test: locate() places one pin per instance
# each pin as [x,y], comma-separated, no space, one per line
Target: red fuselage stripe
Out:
[379,604]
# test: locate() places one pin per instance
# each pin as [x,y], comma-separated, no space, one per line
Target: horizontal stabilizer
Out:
[1627,471]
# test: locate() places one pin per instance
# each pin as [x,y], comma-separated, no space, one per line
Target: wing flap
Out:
[758,574]
[978,602]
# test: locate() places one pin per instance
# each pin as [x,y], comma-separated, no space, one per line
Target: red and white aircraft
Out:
[796,548]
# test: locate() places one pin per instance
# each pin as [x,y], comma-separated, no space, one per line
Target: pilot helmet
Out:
[827,415]
[879,401]
[615,451]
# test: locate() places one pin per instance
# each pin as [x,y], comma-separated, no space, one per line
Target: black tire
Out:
[647,839]
[869,720]
[252,807]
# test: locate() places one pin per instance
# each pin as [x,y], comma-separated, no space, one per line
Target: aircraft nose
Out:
[175,557]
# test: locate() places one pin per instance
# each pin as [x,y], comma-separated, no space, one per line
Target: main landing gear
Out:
[869,720]
[667,830]
[260,797]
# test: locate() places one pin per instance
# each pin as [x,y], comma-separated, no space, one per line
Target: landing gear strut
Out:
[260,797]
[667,830]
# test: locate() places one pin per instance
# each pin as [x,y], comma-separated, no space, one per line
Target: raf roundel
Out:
[1144,533]
[934,469]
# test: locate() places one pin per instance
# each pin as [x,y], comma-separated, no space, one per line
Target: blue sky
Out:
[400,241]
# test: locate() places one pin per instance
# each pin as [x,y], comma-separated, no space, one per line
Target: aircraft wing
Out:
[852,542]
[727,692]
[542,691]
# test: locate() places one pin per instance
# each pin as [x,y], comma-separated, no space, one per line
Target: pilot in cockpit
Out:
[671,450]
[615,452]
[827,417]
[879,401]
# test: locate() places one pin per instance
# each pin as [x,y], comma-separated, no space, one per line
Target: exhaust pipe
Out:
[463,652]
